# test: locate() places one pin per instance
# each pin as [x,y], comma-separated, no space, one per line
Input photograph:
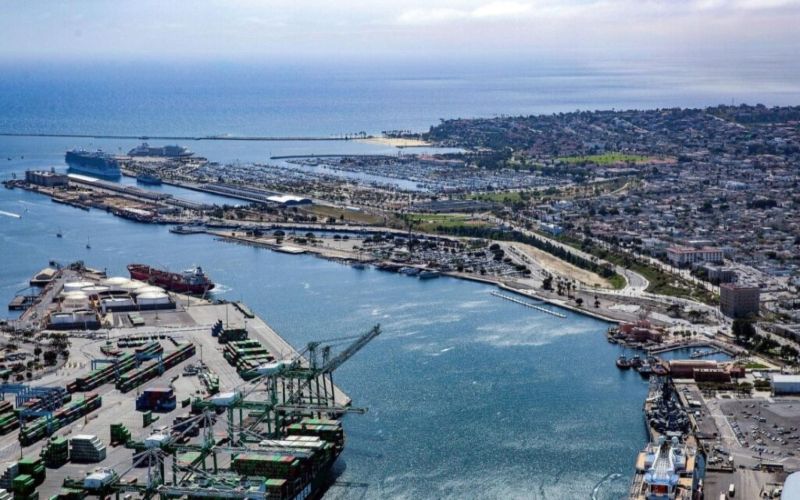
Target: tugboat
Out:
[636,362]
[660,370]
[623,363]
[645,370]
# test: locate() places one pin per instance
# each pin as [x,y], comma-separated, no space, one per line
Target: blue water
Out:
[468,395]
[186,98]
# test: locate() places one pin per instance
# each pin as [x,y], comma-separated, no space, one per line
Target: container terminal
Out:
[168,395]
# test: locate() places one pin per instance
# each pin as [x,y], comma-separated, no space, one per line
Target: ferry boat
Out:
[192,281]
[94,163]
[148,179]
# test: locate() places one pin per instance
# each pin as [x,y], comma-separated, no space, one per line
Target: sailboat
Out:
[88,246]
[58,234]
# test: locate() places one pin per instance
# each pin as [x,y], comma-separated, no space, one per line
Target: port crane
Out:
[293,388]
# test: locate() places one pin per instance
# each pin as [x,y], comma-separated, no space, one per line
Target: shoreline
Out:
[343,257]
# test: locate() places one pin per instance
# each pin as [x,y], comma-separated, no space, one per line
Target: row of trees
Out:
[542,244]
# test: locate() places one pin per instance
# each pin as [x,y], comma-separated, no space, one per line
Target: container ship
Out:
[94,163]
[164,151]
[192,281]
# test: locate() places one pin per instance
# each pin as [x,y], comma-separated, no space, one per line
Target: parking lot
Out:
[767,428]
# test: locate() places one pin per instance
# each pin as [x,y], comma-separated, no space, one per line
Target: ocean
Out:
[469,396]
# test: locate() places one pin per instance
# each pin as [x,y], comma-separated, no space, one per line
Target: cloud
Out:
[494,10]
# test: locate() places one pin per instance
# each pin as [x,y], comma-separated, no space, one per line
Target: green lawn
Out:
[429,222]
[604,159]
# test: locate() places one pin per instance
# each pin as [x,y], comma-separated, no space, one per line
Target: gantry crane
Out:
[292,388]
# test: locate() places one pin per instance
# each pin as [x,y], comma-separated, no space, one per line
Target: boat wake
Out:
[219,289]
[10,214]
[606,479]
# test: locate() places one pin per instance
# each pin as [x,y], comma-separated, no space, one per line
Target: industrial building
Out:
[739,301]
[46,178]
[785,384]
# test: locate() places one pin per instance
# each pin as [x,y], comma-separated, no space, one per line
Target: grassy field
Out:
[355,216]
[429,222]
[604,159]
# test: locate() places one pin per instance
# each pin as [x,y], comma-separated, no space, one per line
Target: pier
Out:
[528,304]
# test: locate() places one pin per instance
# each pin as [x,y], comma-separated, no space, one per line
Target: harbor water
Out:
[469,395]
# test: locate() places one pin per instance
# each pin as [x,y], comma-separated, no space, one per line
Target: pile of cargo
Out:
[86,448]
[210,380]
[245,356]
[124,364]
[156,398]
[49,398]
[319,451]
[8,418]
[225,335]
[69,494]
[272,466]
[43,427]
[56,453]
[30,474]
[119,434]
[24,488]
[326,429]
[146,373]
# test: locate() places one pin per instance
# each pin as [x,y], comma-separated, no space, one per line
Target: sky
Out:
[253,29]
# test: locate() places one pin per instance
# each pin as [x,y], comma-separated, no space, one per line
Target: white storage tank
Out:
[61,318]
[152,298]
[116,282]
[116,302]
[148,289]
[133,285]
[94,289]
[74,300]
[74,286]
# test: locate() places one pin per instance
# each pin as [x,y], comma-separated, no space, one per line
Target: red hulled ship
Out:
[190,281]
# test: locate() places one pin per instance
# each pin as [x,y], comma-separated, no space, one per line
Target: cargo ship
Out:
[94,163]
[165,151]
[149,179]
[192,281]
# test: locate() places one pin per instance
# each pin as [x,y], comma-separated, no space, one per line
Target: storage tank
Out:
[133,285]
[149,289]
[74,286]
[74,300]
[115,282]
[152,299]
[94,289]
[112,303]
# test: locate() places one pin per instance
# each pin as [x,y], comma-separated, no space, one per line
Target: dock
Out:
[528,304]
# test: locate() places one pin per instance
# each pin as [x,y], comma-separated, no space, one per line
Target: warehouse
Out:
[786,384]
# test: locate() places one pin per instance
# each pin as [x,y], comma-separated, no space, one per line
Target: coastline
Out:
[343,257]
